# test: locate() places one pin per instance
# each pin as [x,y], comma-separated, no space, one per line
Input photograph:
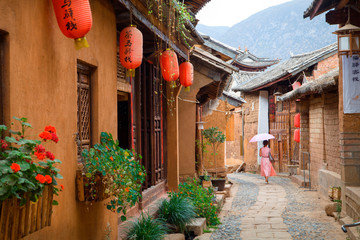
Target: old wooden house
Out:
[84,92]
[343,13]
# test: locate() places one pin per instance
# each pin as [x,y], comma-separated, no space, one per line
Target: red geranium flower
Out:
[48,179]
[62,187]
[4,146]
[54,137]
[50,129]
[50,155]
[39,148]
[40,178]
[45,135]
[40,155]
[15,167]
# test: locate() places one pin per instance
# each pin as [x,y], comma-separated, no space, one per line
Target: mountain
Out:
[216,31]
[278,31]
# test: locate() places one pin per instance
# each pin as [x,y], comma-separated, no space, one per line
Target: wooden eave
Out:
[318,7]
[196,5]
[140,12]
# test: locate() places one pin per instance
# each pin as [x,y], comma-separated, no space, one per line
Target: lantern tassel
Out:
[187,89]
[173,84]
[81,43]
[130,73]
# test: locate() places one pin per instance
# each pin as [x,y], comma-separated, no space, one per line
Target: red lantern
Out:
[169,65]
[296,85]
[186,75]
[297,135]
[297,120]
[74,19]
[131,48]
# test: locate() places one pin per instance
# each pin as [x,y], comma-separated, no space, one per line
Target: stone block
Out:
[197,226]
[174,236]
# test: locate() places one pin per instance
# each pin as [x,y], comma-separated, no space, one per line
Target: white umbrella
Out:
[261,137]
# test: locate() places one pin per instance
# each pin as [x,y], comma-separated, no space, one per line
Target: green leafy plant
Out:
[215,138]
[202,198]
[147,228]
[122,173]
[177,211]
[25,165]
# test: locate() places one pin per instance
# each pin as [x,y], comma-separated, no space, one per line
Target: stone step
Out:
[197,226]
[220,198]
[352,232]
[299,180]
[174,236]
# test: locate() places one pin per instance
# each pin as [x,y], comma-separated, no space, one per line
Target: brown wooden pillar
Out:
[173,137]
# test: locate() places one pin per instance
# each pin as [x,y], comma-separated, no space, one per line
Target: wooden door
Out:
[151,127]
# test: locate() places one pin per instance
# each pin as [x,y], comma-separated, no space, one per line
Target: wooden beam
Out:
[340,16]
[137,10]
[342,4]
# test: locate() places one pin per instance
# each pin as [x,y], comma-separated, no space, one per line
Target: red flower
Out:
[50,155]
[45,135]
[48,179]
[40,178]
[50,129]
[107,148]
[4,146]
[111,158]
[62,187]
[15,167]
[39,148]
[40,155]
[54,137]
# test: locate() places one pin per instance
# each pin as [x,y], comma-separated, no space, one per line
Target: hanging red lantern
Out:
[186,75]
[296,85]
[297,135]
[131,48]
[297,120]
[74,19]
[169,66]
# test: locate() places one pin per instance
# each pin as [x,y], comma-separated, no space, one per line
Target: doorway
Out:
[123,120]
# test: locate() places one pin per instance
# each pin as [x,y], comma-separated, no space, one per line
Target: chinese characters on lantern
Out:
[351,83]
[68,15]
[128,44]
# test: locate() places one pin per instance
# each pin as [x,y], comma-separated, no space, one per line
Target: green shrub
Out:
[178,211]
[147,228]
[202,198]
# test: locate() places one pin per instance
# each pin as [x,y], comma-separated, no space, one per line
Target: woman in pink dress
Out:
[267,169]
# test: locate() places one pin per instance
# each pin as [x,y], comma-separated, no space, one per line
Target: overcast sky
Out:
[230,12]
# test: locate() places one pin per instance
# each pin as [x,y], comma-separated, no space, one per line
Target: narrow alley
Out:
[278,210]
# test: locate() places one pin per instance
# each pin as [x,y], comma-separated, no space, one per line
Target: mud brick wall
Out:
[325,66]
[304,128]
[316,137]
[251,113]
[331,129]
[233,139]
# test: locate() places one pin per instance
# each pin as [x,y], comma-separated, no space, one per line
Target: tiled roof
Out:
[287,68]
[319,6]
[316,86]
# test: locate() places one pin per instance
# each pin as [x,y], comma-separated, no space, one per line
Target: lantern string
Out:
[132,114]
[131,16]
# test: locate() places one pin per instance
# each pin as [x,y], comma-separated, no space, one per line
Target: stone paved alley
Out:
[278,210]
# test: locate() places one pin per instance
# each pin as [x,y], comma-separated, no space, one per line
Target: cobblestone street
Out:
[278,210]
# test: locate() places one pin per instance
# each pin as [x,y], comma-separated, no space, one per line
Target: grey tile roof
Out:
[316,86]
[287,68]
[232,98]
[211,59]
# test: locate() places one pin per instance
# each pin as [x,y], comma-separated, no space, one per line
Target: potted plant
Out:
[28,176]
[114,172]
[215,137]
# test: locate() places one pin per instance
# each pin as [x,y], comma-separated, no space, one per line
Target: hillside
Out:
[277,32]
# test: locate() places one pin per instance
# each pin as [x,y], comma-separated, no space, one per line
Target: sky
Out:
[230,12]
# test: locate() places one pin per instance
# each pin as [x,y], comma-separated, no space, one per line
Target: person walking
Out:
[267,169]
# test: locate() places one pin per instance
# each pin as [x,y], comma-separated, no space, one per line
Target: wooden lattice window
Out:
[83,108]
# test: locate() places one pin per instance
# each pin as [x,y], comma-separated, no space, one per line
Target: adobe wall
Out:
[251,114]
[41,85]
[233,139]
[187,125]
[218,119]
[324,67]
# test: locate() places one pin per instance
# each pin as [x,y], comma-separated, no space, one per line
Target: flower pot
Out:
[219,183]
[19,221]
[90,190]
